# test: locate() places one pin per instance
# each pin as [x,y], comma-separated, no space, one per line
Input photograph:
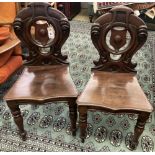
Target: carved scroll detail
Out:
[125,21]
[95,30]
[22,26]
[142,34]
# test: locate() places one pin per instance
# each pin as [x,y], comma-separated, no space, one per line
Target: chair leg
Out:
[73,115]
[83,123]
[18,119]
[91,18]
[139,128]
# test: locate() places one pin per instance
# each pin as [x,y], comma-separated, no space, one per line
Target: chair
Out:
[113,85]
[45,77]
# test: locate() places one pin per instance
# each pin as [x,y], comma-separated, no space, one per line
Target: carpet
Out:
[48,126]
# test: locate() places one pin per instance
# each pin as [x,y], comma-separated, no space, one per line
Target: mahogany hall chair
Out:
[113,85]
[45,77]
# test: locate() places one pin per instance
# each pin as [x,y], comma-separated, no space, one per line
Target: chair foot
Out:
[83,123]
[23,135]
[139,128]
[82,140]
[73,115]
[74,133]
[18,119]
[133,145]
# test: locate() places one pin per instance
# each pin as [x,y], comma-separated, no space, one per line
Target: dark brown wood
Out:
[70,9]
[16,113]
[139,128]
[43,83]
[113,85]
[37,52]
[73,115]
[83,122]
[45,77]
[115,91]
[118,17]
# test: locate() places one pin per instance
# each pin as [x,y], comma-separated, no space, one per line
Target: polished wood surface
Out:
[115,91]
[45,77]
[117,36]
[43,83]
[113,86]
[40,51]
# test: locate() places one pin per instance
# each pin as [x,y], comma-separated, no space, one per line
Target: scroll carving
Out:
[142,33]
[127,34]
[43,31]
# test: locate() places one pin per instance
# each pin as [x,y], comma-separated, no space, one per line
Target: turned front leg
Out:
[139,128]
[73,115]
[83,123]
[18,119]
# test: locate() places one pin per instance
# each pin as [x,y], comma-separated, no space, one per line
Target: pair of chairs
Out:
[113,86]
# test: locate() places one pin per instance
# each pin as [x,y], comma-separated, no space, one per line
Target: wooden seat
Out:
[113,86]
[43,83]
[45,77]
[115,91]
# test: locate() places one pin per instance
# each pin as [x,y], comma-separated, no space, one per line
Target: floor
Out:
[82,16]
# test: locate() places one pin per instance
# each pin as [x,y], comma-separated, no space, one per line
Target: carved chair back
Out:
[43,30]
[118,35]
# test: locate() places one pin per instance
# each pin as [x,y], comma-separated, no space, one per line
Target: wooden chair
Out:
[45,77]
[113,85]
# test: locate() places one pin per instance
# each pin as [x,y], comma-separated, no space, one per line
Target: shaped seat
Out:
[45,77]
[115,91]
[113,85]
[43,83]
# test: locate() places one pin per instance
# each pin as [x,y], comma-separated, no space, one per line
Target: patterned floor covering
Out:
[48,126]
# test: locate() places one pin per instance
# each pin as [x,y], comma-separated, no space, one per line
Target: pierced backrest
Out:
[118,35]
[43,30]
